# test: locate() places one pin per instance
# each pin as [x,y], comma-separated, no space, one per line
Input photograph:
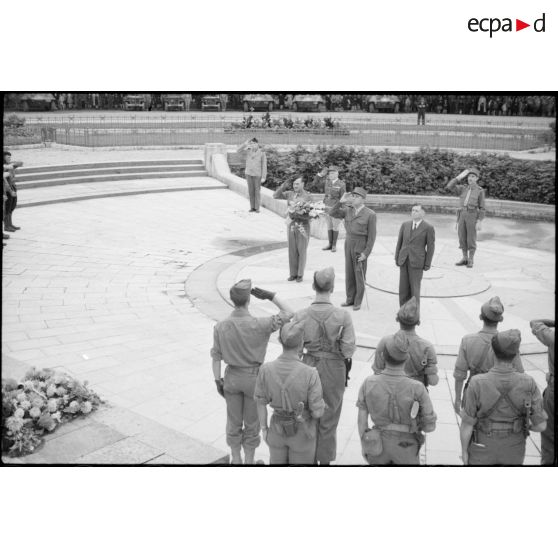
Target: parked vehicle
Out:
[258,102]
[211,102]
[176,102]
[37,101]
[137,102]
[308,102]
[387,103]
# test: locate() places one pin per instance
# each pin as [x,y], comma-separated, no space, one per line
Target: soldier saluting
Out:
[470,213]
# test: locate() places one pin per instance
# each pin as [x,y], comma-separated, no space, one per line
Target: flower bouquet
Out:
[40,403]
[303,212]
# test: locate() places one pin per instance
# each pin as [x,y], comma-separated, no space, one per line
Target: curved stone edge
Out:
[217,166]
[204,282]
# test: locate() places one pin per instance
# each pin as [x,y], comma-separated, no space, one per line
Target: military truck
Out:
[176,101]
[137,101]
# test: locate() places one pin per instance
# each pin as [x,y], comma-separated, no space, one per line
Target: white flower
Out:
[35,412]
[14,424]
[28,385]
[52,405]
[19,413]
[51,390]
[25,405]
[86,407]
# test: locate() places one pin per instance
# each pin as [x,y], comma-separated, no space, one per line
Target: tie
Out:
[414,226]
[466,201]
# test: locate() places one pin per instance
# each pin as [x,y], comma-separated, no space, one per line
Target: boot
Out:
[236,457]
[464,259]
[330,239]
[335,234]
[471,258]
[11,227]
[5,236]
[249,456]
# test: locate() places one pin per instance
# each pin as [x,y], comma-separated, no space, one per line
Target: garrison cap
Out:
[409,314]
[493,309]
[397,346]
[474,170]
[324,278]
[360,192]
[507,342]
[241,290]
[291,334]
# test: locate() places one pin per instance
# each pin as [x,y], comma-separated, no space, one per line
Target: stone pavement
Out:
[100,288]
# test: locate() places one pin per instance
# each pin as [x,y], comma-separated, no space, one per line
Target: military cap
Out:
[408,314]
[240,291]
[360,192]
[397,346]
[474,170]
[324,278]
[255,140]
[292,334]
[333,168]
[507,342]
[493,309]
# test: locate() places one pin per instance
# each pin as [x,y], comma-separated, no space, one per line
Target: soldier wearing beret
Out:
[329,343]
[400,409]
[422,362]
[298,228]
[475,354]
[334,190]
[413,253]
[294,392]
[544,331]
[501,408]
[470,213]
[360,224]
[241,341]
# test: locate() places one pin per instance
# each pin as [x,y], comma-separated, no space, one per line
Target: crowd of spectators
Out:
[483,104]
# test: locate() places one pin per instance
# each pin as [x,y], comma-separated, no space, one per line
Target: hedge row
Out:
[424,172]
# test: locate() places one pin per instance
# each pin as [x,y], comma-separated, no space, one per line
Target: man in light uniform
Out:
[255,171]
[475,354]
[294,391]
[400,409]
[544,331]
[422,362]
[360,224]
[329,340]
[241,341]
[500,409]
[470,213]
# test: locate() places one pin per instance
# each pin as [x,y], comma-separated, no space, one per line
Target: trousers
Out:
[466,230]
[298,236]
[291,450]
[254,186]
[409,282]
[332,222]
[398,449]
[355,272]
[548,455]
[497,450]
[243,425]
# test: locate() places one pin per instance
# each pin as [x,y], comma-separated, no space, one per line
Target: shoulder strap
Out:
[325,344]
[285,399]
[504,395]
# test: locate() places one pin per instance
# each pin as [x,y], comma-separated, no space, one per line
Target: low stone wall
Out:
[218,167]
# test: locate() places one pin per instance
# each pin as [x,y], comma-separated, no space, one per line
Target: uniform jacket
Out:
[416,245]
[361,225]
[256,162]
[333,192]
[291,196]
[476,198]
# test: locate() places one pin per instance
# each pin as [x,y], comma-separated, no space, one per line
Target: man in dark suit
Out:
[413,254]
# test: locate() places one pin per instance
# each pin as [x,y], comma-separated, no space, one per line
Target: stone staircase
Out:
[58,175]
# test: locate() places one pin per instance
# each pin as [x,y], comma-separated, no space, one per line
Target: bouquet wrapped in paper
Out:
[304,211]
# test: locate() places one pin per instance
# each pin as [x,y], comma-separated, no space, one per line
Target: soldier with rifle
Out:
[501,408]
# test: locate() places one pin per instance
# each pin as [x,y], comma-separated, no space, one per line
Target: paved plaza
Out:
[124,292]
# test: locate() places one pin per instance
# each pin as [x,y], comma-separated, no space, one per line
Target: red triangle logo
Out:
[519,25]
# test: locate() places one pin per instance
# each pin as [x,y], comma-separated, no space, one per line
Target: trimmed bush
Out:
[424,172]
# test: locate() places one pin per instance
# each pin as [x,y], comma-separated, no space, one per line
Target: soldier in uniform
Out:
[11,192]
[255,171]
[470,213]
[334,189]
[500,409]
[544,330]
[298,228]
[241,341]
[360,224]
[422,362]
[329,343]
[475,354]
[294,391]
[400,409]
